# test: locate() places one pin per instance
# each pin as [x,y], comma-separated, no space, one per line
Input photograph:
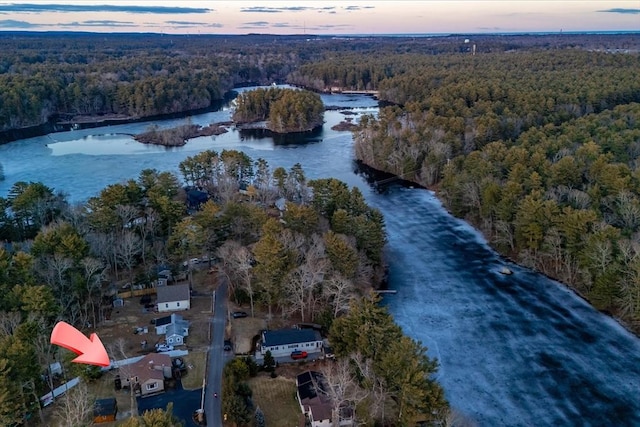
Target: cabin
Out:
[105,410]
[283,341]
[174,298]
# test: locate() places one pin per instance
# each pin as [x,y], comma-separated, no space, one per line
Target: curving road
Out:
[212,405]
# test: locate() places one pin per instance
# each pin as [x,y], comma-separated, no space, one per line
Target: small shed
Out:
[105,410]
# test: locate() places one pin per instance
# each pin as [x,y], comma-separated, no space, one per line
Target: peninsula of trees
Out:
[178,136]
[284,110]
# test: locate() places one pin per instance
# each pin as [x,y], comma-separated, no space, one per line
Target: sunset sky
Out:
[321,17]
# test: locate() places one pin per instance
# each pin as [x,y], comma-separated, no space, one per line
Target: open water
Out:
[518,350]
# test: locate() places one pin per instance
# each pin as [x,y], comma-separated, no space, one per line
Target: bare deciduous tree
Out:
[127,247]
[55,268]
[118,351]
[342,388]
[504,234]
[148,229]
[94,272]
[304,281]
[339,292]
[75,407]
[378,398]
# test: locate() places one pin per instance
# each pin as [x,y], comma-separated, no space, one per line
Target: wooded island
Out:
[284,110]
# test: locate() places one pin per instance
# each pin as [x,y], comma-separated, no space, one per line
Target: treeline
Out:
[67,76]
[60,78]
[564,200]
[537,149]
[286,110]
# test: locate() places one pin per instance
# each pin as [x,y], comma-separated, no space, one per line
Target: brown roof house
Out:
[175,297]
[148,374]
[315,403]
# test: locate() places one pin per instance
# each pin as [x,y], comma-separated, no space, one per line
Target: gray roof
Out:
[177,328]
[173,293]
[289,336]
[167,320]
[313,395]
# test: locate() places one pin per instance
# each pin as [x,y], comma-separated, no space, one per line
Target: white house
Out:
[176,333]
[283,341]
[163,323]
[173,298]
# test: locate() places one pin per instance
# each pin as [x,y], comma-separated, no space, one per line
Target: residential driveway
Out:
[185,403]
[287,359]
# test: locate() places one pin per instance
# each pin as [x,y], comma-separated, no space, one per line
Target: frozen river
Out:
[517,350]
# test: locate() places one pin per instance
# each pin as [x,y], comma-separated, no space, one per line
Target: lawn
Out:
[196,364]
[277,399]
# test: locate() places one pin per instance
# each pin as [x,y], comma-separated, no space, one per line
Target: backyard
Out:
[276,397]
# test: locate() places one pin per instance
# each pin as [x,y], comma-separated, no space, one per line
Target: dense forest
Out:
[284,110]
[70,78]
[538,149]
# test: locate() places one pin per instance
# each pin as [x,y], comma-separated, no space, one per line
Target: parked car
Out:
[192,261]
[297,354]
[239,314]
[163,347]
[228,345]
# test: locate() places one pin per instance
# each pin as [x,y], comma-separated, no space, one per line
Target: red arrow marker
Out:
[90,350]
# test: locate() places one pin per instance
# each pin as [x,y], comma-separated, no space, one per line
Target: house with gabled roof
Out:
[176,333]
[174,298]
[147,376]
[282,342]
[174,319]
[173,327]
[315,402]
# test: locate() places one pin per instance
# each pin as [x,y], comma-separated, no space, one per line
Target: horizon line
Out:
[441,34]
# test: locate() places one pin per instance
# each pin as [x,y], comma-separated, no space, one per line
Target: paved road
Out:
[213,406]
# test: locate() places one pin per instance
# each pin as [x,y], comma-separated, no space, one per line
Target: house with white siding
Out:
[173,327]
[174,298]
[282,342]
[174,319]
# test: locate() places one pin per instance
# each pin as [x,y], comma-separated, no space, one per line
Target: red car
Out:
[297,354]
